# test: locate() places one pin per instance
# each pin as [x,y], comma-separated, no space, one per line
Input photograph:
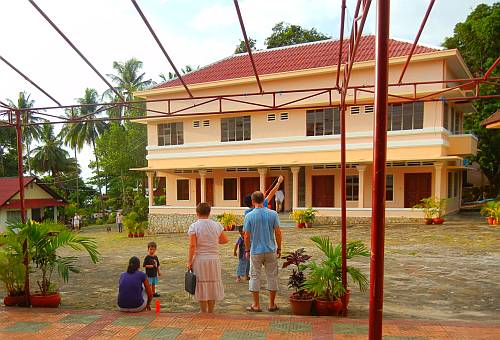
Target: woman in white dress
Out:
[205,236]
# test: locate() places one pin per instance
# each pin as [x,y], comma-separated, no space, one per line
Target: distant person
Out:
[152,265]
[248,199]
[280,197]
[205,236]
[134,292]
[119,221]
[243,263]
[76,222]
[263,248]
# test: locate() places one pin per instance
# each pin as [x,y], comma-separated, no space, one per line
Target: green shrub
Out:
[111,218]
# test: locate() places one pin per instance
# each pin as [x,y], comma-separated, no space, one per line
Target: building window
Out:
[323,122]
[389,187]
[170,134]
[456,122]
[352,188]
[230,189]
[453,184]
[445,115]
[284,115]
[235,129]
[183,189]
[13,216]
[405,116]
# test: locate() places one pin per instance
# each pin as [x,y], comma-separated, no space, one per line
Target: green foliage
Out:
[227,219]
[8,152]
[303,215]
[325,279]
[477,40]
[309,215]
[285,35]
[491,209]
[12,273]
[160,200]
[432,207]
[44,240]
[49,156]
[297,215]
[99,221]
[242,47]
[297,278]
[111,218]
[131,221]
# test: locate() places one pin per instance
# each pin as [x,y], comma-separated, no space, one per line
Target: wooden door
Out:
[247,186]
[209,190]
[323,191]
[416,187]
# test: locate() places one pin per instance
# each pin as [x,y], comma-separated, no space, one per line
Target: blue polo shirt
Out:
[260,223]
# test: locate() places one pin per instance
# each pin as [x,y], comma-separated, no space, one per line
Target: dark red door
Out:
[417,186]
[247,186]
[209,189]
[323,191]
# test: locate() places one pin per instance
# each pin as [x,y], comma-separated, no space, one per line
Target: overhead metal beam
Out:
[421,28]
[492,67]
[249,50]
[161,47]
[30,81]
[341,39]
[76,49]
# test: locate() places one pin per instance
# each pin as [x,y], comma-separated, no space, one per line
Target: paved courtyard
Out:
[449,272]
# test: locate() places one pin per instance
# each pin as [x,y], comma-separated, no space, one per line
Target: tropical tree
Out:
[285,35]
[30,133]
[172,75]
[50,156]
[8,152]
[477,40]
[242,47]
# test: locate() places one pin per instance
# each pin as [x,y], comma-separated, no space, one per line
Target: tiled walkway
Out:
[16,323]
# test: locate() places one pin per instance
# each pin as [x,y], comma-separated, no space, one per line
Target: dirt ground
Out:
[448,272]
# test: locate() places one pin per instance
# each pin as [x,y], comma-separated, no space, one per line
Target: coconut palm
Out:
[70,138]
[30,133]
[50,156]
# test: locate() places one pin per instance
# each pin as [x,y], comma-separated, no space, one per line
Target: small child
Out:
[152,265]
[243,262]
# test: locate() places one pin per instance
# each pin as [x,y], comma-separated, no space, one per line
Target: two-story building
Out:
[199,154]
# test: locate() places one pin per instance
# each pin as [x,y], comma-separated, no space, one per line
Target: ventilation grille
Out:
[206,123]
[334,166]
[410,163]
[241,169]
[278,168]
[271,117]
[196,123]
[368,109]
[190,171]
[284,115]
[355,110]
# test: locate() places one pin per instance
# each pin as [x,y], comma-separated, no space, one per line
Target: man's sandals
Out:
[258,310]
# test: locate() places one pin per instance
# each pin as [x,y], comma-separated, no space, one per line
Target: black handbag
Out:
[190,282]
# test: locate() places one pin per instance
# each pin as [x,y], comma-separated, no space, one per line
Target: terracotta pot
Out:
[299,306]
[130,235]
[47,301]
[301,225]
[438,220]
[14,300]
[141,234]
[428,221]
[308,224]
[497,222]
[348,296]
[490,220]
[136,235]
[327,308]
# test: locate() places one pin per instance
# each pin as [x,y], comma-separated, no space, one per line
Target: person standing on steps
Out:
[263,248]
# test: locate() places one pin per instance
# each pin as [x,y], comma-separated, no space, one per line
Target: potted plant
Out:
[298,216]
[440,207]
[12,276]
[141,227]
[309,216]
[43,241]
[428,206]
[130,222]
[324,280]
[228,221]
[300,300]
[489,210]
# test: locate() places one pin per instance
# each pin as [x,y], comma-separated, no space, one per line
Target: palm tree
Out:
[70,138]
[86,132]
[30,133]
[50,156]
[128,79]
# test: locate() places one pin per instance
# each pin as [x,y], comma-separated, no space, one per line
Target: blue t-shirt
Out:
[266,204]
[130,289]
[260,223]
[241,247]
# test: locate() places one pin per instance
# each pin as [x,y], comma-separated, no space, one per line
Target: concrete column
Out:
[29,214]
[295,186]
[151,187]
[438,175]
[203,189]
[361,187]
[262,175]
[55,213]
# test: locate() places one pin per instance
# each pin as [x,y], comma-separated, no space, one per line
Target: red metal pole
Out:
[20,170]
[492,67]
[378,178]
[341,40]
[343,198]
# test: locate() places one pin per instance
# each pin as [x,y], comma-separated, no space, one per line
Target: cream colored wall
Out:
[3,219]
[33,191]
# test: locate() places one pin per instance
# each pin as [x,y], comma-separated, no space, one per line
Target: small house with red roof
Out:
[37,197]
[233,139]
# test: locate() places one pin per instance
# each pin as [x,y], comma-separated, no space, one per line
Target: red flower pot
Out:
[327,308]
[130,235]
[497,222]
[490,220]
[428,221]
[14,300]
[136,235]
[438,220]
[348,296]
[301,225]
[308,224]
[47,301]
[300,306]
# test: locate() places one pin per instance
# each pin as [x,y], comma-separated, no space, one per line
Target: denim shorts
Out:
[153,280]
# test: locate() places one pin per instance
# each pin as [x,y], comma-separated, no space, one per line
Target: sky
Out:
[194,32]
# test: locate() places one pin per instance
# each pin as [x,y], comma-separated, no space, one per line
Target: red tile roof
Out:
[291,58]
[494,118]
[9,187]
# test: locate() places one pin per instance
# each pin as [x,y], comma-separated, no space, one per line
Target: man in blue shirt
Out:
[263,247]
